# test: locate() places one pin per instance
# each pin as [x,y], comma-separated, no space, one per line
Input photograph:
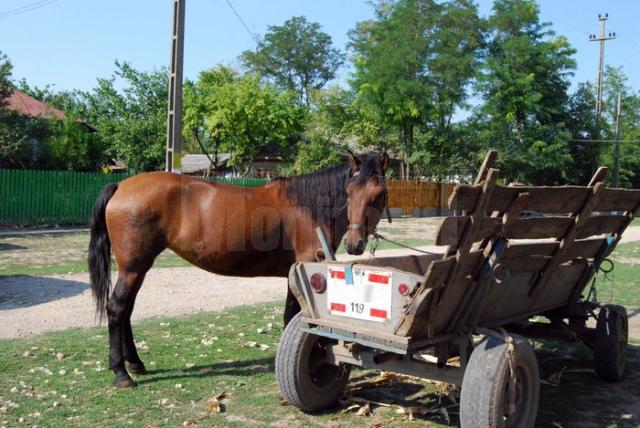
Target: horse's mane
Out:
[323,193]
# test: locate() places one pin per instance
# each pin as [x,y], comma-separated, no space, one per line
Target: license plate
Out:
[359,293]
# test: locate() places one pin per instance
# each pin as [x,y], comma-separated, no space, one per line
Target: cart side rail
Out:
[501,263]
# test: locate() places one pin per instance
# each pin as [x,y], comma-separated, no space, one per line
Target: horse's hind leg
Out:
[118,310]
[134,363]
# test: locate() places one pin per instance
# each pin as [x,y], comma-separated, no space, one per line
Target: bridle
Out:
[385,207]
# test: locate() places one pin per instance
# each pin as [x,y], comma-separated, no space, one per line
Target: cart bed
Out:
[513,252]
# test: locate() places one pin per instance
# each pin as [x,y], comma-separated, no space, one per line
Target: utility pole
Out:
[174,111]
[603,37]
[616,164]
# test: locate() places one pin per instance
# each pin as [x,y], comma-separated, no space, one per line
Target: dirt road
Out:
[30,305]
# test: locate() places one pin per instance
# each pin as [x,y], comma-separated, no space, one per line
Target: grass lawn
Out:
[61,379]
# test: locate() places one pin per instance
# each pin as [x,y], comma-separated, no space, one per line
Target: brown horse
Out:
[223,229]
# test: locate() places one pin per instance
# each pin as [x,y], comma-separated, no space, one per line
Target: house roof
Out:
[29,106]
[192,163]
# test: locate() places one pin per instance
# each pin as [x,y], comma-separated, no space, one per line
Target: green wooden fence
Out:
[55,197]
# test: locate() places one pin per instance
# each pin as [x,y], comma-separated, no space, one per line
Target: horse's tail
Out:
[100,251]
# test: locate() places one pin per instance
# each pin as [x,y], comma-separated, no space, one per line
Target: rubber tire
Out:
[610,345]
[485,382]
[292,371]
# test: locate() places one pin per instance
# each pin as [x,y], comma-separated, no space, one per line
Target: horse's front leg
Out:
[292,307]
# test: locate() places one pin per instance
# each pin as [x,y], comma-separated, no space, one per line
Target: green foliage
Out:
[327,125]
[616,82]
[5,77]
[525,91]
[243,116]
[298,56]
[74,147]
[413,65]
[131,120]
[582,124]
[17,133]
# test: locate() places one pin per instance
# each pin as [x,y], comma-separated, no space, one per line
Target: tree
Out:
[326,128]
[243,116]
[525,91]
[5,78]
[17,132]
[131,120]
[73,147]
[616,82]
[297,56]
[581,122]
[413,65]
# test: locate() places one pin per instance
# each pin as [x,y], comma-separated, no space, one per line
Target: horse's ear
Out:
[353,161]
[384,162]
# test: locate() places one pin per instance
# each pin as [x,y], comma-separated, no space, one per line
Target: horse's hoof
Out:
[125,382]
[137,369]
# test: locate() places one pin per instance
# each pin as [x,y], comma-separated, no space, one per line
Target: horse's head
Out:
[367,192]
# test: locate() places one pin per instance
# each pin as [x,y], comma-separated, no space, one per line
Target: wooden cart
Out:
[514,253]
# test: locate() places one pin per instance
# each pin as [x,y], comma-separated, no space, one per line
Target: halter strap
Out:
[355,226]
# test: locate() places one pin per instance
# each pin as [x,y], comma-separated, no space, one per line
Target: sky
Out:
[71,43]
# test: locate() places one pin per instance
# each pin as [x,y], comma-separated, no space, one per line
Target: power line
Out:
[26,8]
[244,24]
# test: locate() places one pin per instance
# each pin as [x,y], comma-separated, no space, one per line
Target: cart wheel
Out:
[610,347]
[304,380]
[486,399]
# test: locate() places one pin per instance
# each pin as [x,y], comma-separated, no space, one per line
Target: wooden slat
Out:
[452,229]
[601,224]
[539,227]
[585,248]
[581,220]
[464,197]
[438,272]
[522,249]
[516,255]
[618,200]
[487,164]
[563,199]
[522,264]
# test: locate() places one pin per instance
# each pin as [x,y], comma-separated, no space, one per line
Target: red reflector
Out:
[403,289]
[379,313]
[318,283]
[380,279]
[337,274]
[338,307]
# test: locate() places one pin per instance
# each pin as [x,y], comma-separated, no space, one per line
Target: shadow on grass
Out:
[27,290]
[581,398]
[224,368]
[578,399]
[10,247]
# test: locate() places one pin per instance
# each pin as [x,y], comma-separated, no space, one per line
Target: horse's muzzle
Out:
[356,248]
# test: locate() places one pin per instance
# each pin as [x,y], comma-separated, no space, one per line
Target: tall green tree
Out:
[413,65]
[582,123]
[297,56]
[5,77]
[243,116]
[525,93]
[617,83]
[325,130]
[18,133]
[130,110]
